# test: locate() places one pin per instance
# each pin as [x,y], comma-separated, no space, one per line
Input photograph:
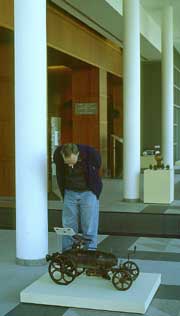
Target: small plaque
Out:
[85,108]
[64,231]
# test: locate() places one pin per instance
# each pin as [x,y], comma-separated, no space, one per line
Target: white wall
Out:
[148,27]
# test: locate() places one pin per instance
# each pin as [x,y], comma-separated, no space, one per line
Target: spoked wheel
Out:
[80,271]
[62,271]
[70,271]
[132,268]
[122,280]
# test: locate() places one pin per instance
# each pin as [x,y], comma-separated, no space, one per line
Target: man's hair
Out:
[68,149]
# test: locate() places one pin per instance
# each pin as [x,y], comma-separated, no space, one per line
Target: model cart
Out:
[65,267]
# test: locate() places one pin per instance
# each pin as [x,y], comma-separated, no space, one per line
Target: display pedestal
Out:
[159,186]
[94,293]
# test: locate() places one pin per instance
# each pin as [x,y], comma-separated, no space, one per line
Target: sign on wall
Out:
[85,108]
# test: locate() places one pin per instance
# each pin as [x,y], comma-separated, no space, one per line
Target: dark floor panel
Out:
[54,219]
[174,207]
[177,191]
[119,245]
[37,310]
[115,223]
[177,171]
[7,218]
[150,222]
[155,209]
[160,256]
[168,292]
[140,224]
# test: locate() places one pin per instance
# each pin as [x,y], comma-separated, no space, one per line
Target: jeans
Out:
[81,212]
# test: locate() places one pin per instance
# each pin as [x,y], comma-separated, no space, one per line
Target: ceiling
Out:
[100,16]
[155,9]
[56,57]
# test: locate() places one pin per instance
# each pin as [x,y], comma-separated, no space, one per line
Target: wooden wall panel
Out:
[59,95]
[62,34]
[66,119]
[85,89]
[79,41]
[7,140]
[69,36]
[86,131]
[7,177]
[115,123]
[85,84]
[60,102]
[115,105]
[7,132]
[7,13]
[6,97]
[117,92]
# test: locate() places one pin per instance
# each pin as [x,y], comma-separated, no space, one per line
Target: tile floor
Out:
[153,255]
[166,302]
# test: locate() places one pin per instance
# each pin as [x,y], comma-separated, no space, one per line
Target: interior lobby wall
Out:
[90,47]
[150,104]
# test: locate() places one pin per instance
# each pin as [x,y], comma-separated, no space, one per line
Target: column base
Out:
[27,262]
[132,200]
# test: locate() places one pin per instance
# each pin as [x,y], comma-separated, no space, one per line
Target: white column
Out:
[167,86]
[131,79]
[31,131]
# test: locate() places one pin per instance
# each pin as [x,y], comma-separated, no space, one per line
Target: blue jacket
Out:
[91,161]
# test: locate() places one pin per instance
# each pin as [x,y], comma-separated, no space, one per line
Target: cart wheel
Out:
[80,271]
[55,271]
[62,271]
[132,268]
[70,270]
[122,280]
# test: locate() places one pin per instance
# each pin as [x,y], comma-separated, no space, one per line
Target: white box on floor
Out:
[94,293]
[159,186]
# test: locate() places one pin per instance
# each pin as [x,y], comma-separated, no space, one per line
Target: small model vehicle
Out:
[65,267]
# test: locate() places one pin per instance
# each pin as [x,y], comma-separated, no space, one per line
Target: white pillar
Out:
[167,86]
[131,79]
[31,131]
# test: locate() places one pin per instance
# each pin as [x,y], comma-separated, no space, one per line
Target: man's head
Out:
[70,153]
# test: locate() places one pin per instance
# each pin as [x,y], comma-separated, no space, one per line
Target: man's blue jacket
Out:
[91,161]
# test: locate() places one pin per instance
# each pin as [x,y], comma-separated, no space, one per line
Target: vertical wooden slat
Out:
[85,89]
[7,156]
